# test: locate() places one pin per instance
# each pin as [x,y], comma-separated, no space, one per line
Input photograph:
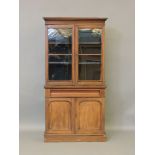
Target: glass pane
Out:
[60,53]
[60,40]
[60,71]
[89,54]
[89,72]
[60,67]
[89,67]
[90,41]
[90,59]
[61,59]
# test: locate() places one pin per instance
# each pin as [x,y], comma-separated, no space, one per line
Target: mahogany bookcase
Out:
[74,72]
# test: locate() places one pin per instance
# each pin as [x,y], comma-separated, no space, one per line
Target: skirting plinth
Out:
[74,138]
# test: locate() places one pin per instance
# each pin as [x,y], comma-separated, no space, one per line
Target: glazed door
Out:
[59,115]
[60,54]
[89,55]
[89,116]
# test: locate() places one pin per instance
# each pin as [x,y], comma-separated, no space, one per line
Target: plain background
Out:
[145,76]
[119,56]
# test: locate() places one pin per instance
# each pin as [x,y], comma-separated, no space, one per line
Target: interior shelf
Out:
[90,43]
[81,63]
[89,63]
[89,54]
[71,54]
[66,63]
[58,43]
[58,54]
[86,43]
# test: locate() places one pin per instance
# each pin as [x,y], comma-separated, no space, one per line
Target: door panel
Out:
[59,115]
[60,54]
[89,56]
[89,117]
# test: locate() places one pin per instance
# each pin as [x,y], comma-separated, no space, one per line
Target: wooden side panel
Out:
[89,117]
[59,115]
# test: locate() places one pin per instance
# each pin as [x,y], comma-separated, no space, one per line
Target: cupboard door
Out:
[59,54]
[89,47]
[59,115]
[89,115]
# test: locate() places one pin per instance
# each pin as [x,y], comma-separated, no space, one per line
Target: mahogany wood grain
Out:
[89,116]
[74,93]
[74,109]
[74,19]
[74,138]
[59,114]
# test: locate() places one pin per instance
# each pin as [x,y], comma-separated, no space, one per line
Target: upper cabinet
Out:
[74,52]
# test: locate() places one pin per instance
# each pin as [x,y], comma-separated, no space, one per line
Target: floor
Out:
[119,143]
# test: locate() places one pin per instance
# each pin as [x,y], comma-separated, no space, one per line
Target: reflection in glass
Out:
[60,67]
[58,71]
[89,59]
[89,67]
[90,41]
[60,53]
[89,72]
[89,54]
[60,59]
[60,40]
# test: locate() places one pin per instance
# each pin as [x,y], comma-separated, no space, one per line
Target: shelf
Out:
[65,63]
[89,63]
[71,54]
[89,54]
[59,54]
[58,43]
[81,43]
[81,63]
[89,43]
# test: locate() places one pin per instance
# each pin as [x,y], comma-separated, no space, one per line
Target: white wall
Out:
[119,56]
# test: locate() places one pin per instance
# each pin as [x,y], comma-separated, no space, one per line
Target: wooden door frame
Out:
[89,82]
[59,82]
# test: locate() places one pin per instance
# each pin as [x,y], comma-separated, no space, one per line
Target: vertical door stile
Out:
[76,54]
[102,54]
[46,53]
[73,54]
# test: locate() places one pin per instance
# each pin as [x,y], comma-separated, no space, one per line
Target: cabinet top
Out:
[74,18]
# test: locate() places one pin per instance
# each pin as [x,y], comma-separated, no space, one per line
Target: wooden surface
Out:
[73,19]
[89,116]
[59,115]
[74,109]
[74,138]
[74,93]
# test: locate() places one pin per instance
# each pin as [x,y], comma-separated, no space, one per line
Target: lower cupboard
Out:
[74,119]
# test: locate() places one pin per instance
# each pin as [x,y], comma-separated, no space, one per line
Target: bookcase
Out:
[74,73]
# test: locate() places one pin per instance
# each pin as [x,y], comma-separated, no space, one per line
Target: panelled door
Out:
[59,115]
[89,115]
[74,115]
